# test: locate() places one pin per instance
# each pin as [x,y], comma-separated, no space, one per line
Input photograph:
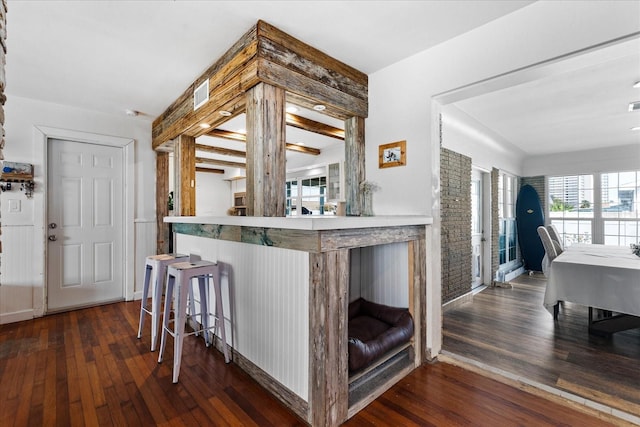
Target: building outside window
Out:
[597,208]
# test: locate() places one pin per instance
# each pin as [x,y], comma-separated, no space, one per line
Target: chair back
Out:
[553,232]
[549,248]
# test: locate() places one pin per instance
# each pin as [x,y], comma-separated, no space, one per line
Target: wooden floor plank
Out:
[509,329]
[88,368]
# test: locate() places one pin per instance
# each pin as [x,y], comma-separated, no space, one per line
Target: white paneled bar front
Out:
[286,294]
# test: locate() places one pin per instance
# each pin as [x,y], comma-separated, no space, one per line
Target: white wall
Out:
[621,158]
[212,194]
[400,95]
[465,135]
[23,276]
[402,104]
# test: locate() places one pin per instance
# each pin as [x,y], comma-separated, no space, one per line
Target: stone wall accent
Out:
[455,179]
[538,183]
[3,98]
[495,224]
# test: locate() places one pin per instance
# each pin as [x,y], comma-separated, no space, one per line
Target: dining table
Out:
[603,277]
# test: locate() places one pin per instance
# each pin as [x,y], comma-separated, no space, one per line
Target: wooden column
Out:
[266,162]
[354,160]
[162,208]
[328,352]
[184,163]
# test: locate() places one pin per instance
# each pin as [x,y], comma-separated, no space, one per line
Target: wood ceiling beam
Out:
[209,170]
[216,162]
[221,151]
[235,136]
[314,126]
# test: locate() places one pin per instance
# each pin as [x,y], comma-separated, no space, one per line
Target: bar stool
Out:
[157,263]
[180,276]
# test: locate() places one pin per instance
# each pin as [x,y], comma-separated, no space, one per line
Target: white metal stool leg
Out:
[179,281]
[158,265]
[145,296]
[219,315]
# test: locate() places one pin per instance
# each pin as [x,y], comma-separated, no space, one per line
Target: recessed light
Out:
[319,107]
[131,113]
[205,125]
[636,85]
[224,113]
[242,130]
[292,109]
[635,128]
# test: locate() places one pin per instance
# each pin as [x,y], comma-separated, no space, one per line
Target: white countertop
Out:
[307,222]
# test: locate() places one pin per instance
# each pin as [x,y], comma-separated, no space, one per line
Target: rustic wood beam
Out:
[266,54]
[236,136]
[185,173]
[216,162]
[266,159]
[354,158]
[209,170]
[162,209]
[314,126]
[220,150]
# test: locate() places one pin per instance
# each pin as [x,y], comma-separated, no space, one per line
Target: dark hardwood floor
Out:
[509,329]
[86,368]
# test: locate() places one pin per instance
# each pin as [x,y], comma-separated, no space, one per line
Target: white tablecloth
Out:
[600,276]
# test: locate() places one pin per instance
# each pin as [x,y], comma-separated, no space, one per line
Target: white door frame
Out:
[41,136]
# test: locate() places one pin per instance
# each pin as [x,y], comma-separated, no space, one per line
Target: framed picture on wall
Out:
[392,154]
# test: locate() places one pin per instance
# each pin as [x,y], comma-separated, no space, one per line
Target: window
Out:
[571,207]
[308,195]
[598,208]
[507,239]
[621,207]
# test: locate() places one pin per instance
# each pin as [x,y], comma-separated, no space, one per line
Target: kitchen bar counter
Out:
[286,284]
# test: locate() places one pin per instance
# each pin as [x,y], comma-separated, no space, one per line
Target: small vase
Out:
[367,204]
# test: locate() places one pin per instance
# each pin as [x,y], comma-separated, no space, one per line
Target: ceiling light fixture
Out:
[242,130]
[205,125]
[635,128]
[291,109]
[131,113]
[319,107]
[224,113]
[636,85]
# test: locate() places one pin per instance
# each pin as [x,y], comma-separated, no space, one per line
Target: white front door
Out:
[85,224]
[476,228]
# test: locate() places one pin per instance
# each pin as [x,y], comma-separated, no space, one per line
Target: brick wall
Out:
[3,53]
[455,179]
[495,224]
[537,182]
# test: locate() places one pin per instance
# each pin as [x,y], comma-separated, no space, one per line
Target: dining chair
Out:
[550,249]
[555,236]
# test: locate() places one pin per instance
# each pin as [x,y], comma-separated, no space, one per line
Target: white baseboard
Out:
[16,316]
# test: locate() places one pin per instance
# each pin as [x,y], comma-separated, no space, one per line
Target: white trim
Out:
[41,134]
[17,316]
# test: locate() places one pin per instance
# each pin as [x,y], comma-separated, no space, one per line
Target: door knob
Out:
[53,225]
[53,238]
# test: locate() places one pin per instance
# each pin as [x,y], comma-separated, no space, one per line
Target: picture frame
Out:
[392,154]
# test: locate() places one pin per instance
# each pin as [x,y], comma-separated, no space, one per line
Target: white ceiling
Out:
[577,104]
[111,56]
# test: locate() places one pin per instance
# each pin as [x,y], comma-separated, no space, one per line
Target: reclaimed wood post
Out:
[266,162]
[162,208]
[328,351]
[184,158]
[354,160]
